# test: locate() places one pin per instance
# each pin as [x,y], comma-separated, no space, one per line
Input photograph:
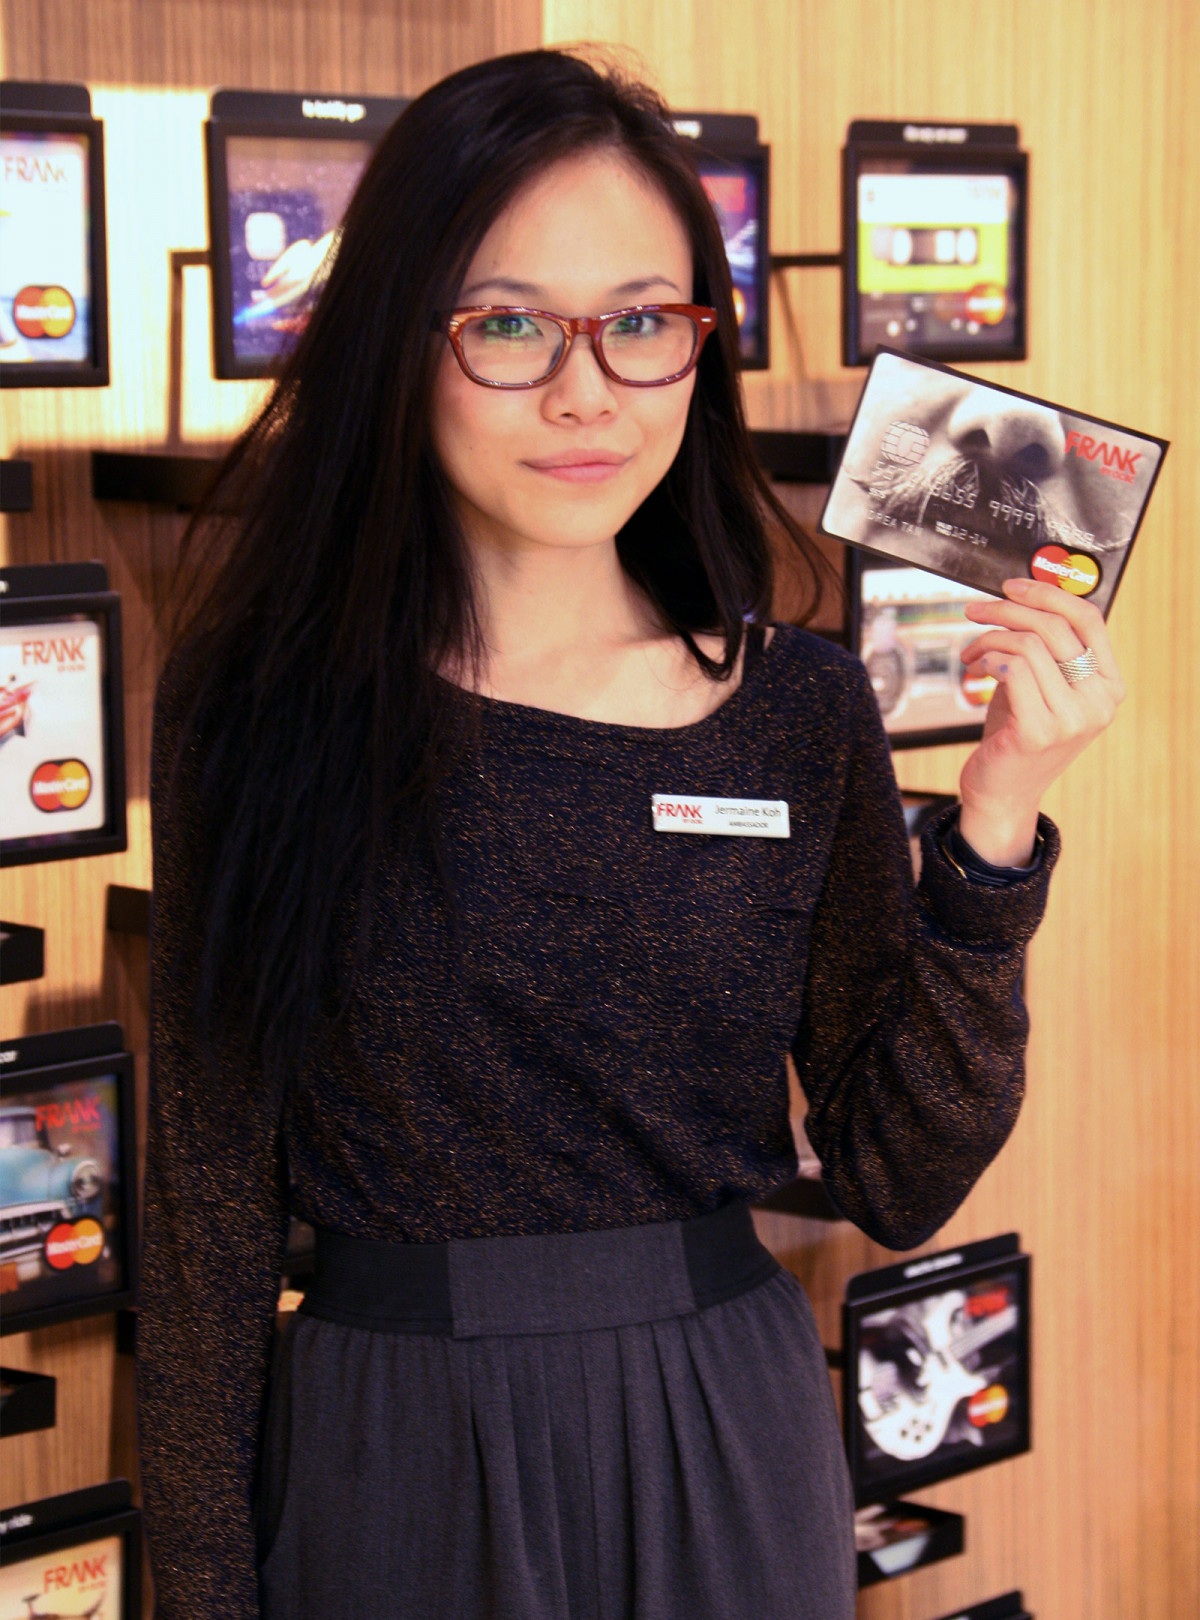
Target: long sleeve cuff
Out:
[973,912]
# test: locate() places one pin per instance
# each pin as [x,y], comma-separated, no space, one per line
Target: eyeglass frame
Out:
[451,323]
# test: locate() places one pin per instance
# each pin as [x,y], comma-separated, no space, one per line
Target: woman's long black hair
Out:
[325,578]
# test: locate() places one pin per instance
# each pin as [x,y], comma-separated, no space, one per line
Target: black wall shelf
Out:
[152,475]
[29,1401]
[16,486]
[22,952]
[805,261]
[127,910]
[799,458]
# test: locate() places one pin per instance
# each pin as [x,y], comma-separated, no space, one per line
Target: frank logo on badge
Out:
[732,818]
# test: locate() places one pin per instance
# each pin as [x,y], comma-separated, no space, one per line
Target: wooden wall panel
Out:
[150,64]
[1102,1176]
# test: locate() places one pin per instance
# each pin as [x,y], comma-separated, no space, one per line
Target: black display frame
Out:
[946,1538]
[858,563]
[91,1051]
[270,114]
[36,108]
[936,149]
[734,138]
[871,1291]
[45,593]
[1009,1606]
[55,1523]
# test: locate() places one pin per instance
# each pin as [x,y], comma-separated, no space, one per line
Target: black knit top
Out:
[602,1044]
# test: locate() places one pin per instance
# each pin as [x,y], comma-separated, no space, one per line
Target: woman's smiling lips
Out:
[581,466]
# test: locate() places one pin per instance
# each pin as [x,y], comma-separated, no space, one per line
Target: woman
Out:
[428,973]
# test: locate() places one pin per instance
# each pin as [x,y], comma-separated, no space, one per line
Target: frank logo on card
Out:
[981,484]
[734,818]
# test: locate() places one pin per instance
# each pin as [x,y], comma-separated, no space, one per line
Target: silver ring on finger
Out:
[1079,668]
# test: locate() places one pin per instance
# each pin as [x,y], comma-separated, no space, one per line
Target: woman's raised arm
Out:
[911,1045]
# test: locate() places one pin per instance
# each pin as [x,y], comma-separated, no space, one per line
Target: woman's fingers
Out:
[1007,653]
[1054,630]
[1084,617]
[1065,623]
[1037,725]
[1071,710]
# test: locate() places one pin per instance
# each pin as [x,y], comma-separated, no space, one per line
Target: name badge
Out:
[735,818]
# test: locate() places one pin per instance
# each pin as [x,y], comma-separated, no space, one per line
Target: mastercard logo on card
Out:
[1075,571]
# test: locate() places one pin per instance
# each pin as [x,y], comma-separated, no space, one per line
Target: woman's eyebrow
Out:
[630,289]
[532,293]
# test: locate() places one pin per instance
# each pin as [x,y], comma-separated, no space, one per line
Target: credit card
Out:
[981,483]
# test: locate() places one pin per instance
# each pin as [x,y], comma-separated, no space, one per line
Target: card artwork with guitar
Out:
[937,1360]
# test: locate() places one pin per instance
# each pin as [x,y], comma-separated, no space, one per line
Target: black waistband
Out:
[541,1283]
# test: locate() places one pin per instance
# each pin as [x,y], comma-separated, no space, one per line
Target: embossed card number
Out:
[734,818]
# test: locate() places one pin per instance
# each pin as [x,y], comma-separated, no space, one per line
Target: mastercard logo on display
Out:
[988,1405]
[74,1243]
[60,784]
[978,689]
[43,312]
[987,303]
[1075,571]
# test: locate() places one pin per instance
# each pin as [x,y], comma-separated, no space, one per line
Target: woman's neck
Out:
[539,604]
[567,629]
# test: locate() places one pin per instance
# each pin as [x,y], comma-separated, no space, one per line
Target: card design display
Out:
[66,1216]
[281,171]
[62,766]
[909,627]
[77,1556]
[45,285]
[53,273]
[52,727]
[734,188]
[735,171]
[934,240]
[981,484]
[286,200]
[85,1580]
[937,1368]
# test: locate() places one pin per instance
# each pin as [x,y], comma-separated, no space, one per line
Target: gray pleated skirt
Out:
[629,1424]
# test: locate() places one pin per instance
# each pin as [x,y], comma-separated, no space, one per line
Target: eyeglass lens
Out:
[643,346]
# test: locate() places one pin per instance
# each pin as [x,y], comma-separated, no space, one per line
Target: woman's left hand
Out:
[1037,722]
